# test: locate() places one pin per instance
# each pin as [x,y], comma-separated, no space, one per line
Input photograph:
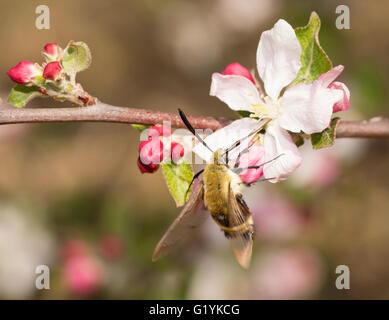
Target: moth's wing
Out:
[192,215]
[242,242]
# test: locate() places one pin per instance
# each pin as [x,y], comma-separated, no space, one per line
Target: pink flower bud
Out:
[254,157]
[344,103]
[24,72]
[151,151]
[53,51]
[52,71]
[177,151]
[238,70]
[150,155]
[150,168]
[159,131]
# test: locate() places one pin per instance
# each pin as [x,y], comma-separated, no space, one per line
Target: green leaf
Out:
[178,179]
[140,127]
[76,57]
[21,94]
[313,58]
[244,113]
[298,139]
[327,137]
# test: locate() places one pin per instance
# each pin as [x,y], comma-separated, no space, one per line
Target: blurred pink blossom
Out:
[319,169]
[277,218]
[82,274]
[287,274]
[111,247]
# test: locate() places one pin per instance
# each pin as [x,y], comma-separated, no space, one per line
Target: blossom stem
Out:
[101,112]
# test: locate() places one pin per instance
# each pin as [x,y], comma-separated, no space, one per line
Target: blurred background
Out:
[72,197]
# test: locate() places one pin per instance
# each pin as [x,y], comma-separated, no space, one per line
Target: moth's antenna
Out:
[191,129]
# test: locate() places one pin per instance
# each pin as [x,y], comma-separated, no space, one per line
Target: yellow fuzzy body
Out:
[216,181]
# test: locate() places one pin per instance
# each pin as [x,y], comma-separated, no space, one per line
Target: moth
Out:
[220,193]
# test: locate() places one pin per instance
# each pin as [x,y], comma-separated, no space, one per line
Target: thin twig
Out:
[101,112]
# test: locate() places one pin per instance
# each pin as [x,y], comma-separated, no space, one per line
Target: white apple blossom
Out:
[304,107]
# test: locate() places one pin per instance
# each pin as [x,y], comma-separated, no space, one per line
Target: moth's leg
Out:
[193,179]
[245,150]
[262,124]
[249,184]
[240,170]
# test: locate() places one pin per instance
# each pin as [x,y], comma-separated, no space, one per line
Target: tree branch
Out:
[101,112]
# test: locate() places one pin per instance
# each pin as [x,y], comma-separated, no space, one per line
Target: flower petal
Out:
[227,136]
[279,143]
[254,157]
[344,103]
[278,57]
[329,76]
[238,92]
[327,80]
[307,107]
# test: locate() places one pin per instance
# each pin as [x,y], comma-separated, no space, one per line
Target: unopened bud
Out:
[177,151]
[52,52]
[52,71]
[237,69]
[160,131]
[24,72]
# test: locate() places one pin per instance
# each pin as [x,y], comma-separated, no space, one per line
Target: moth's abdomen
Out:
[245,230]
[216,183]
[242,224]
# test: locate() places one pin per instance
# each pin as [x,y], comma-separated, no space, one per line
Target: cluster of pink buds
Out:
[30,73]
[56,76]
[151,151]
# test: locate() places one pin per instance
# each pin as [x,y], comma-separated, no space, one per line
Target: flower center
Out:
[268,108]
